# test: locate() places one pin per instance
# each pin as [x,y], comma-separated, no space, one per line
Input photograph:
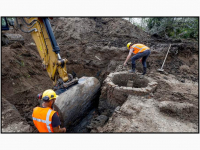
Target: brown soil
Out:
[95,47]
[11,118]
[170,89]
[23,78]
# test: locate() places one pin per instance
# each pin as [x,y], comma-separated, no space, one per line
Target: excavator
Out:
[42,34]
[76,96]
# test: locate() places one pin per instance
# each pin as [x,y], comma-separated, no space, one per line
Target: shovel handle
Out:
[166,56]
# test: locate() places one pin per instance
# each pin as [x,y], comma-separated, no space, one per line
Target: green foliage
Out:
[173,27]
[136,22]
[21,63]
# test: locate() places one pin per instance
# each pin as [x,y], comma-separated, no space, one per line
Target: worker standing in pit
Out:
[140,51]
[45,118]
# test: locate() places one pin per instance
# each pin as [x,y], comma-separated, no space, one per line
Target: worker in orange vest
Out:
[140,51]
[45,118]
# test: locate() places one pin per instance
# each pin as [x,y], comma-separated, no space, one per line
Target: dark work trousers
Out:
[144,55]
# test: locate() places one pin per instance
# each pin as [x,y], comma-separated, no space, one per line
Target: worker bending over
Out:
[45,118]
[140,51]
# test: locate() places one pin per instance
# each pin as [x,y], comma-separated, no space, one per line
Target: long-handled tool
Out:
[161,69]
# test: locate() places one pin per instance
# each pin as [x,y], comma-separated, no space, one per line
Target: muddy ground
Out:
[95,47]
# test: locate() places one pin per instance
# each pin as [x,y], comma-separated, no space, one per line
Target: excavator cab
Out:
[9,38]
[4,24]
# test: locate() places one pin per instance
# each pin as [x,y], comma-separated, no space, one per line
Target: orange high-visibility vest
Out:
[42,118]
[139,48]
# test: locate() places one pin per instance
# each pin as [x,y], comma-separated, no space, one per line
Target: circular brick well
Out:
[130,80]
[118,85]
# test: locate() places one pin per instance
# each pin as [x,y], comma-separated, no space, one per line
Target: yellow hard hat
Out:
[128,45]
[49,95]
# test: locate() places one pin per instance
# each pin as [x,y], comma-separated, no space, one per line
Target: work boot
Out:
[144,70]
[141,76]
[133,69]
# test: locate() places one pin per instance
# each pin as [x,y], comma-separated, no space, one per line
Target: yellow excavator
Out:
[41,31]
[74,102]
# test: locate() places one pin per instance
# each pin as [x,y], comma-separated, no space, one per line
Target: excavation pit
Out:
[118,85]
[130,80]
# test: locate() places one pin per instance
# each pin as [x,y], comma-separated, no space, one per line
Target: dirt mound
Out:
[23,78]
[96,46]
[182,110]
[180,54]
[12,120]
[110,32]
[139,114]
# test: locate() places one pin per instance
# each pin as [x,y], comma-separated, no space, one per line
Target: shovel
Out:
[161,69]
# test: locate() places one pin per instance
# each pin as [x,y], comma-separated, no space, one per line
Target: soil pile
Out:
[12,120]
[140,114]
[96,46]
[23,78]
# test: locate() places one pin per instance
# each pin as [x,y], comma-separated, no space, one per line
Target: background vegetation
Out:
[170,27]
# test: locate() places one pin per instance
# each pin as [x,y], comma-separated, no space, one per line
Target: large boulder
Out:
[12,121]
[74,103]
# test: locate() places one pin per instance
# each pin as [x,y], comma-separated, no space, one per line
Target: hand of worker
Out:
[64,130]
[58,129]
[125,64]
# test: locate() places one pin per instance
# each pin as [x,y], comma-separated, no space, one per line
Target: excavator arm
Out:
[42,34]
[48,48]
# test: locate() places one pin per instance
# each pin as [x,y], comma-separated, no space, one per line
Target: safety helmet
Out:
[128,45]
[49,95]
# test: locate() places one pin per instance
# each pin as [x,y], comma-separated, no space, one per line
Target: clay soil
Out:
[95,47]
